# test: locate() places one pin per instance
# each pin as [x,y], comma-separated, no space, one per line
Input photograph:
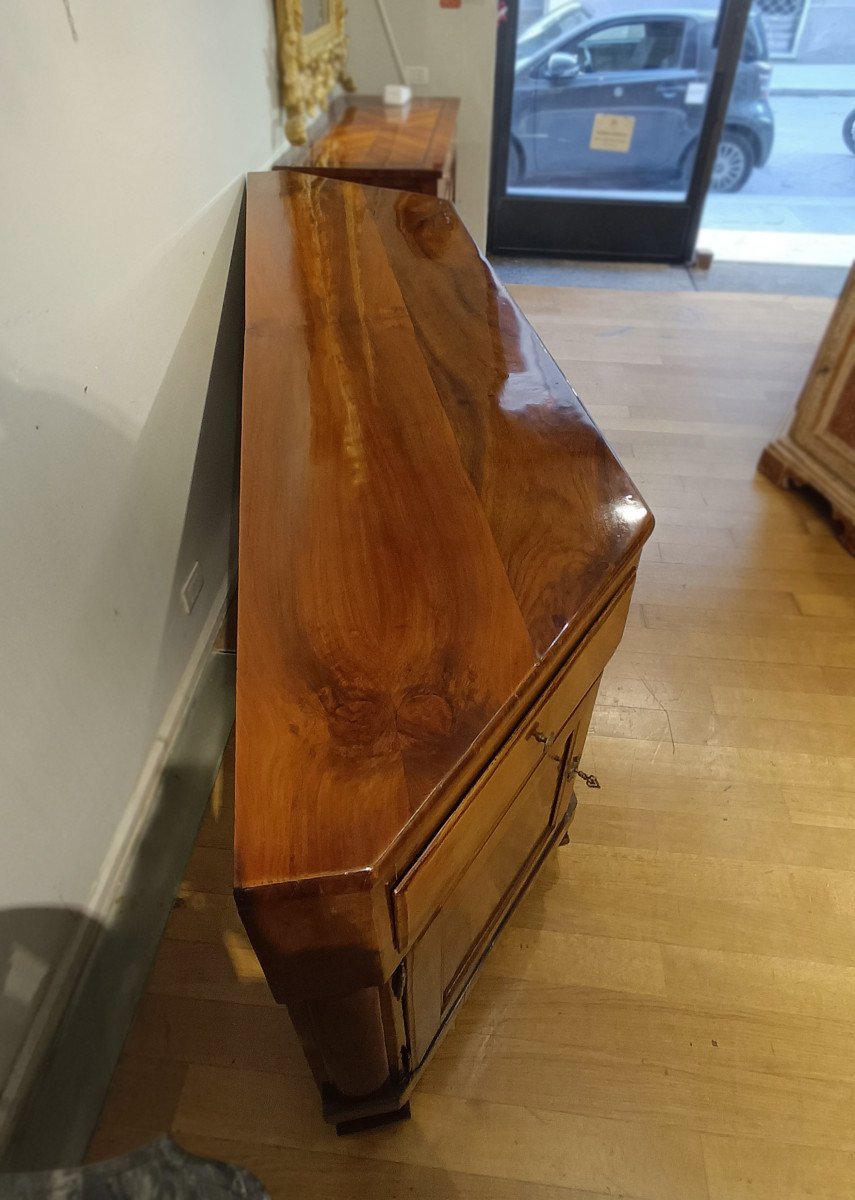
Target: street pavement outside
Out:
[808,184]
[801,205]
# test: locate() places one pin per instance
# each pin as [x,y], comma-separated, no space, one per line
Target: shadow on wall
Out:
[31,940]
[60,1108]
[214,479]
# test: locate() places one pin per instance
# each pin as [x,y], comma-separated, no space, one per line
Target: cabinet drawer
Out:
[444,960]
[423,889]
[469,913]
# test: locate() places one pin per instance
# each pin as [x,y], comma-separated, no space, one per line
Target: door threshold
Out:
[778,248]
[723,276]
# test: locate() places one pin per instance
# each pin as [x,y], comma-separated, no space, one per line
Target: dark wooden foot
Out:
[361,1124]
[565,841]
[772,465]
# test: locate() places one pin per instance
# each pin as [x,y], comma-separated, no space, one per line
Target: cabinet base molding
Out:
[390,1103]
[787,466]
[817,449]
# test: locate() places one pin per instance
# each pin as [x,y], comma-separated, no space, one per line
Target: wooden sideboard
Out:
[437,555]
[411,147]
[817,449]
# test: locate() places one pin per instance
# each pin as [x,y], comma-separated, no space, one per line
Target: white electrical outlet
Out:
[192,587]
[417,76]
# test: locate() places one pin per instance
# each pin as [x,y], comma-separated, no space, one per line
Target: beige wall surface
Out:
[458,46]
[127,131]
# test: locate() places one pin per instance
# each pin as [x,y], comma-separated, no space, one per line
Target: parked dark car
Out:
[652,67]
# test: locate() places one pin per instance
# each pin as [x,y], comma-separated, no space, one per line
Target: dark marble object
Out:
[161,1171]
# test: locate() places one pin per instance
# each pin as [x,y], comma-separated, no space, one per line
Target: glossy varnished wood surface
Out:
[671,1014]
[428,520]
[365,134]
[564,515]
[424,889]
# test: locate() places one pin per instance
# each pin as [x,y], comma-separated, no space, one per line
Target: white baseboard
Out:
[123,850]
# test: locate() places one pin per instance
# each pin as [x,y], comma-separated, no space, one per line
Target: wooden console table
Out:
[437,555]
[364,141]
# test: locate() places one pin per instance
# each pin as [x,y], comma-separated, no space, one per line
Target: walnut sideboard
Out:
[437,554]
[363,140]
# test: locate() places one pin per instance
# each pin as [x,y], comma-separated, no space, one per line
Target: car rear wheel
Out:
[734,163]
[849,131]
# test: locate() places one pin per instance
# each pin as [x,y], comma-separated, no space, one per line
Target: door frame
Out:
[631,229]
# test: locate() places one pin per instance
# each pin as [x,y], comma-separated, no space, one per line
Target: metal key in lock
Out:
[591,781]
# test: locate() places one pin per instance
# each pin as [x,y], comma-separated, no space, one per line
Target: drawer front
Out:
[422,891]
[446,957]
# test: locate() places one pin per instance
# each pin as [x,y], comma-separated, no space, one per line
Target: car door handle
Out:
[668,93]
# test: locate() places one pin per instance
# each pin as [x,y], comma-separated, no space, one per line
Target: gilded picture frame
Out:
[310,64]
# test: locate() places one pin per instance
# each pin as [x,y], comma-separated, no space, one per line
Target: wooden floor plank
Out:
[699,1038]
[722,835]
[739,981]
[697,921]
[743,1169]
[290,1172]
[537,1146]
[659,1093]
[662,872]
[544,954]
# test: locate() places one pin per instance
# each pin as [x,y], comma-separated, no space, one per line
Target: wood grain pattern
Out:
[410,147]
[377,632]
[398,586]
[424,888]
[437,551]
[535,457]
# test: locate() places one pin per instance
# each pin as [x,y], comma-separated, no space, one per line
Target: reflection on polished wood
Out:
[436,552]
[410,147]
[671,1011]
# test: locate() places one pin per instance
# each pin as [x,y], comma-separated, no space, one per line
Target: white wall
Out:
[459,48]
[127,129]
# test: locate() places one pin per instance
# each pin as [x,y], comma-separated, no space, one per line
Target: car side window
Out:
[750,50]
[652,45]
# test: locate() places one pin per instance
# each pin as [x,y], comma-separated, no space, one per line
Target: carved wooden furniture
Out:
[437,553]
[818,447]
[312,58]
[412,147]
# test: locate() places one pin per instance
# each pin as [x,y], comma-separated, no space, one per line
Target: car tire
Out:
[734,162]
[849,131]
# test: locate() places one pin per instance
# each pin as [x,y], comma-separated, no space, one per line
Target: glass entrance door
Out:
[612,119]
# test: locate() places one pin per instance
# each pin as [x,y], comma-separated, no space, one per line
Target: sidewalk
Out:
[812,79]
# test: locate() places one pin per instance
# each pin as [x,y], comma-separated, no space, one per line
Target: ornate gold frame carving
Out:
[309,64]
